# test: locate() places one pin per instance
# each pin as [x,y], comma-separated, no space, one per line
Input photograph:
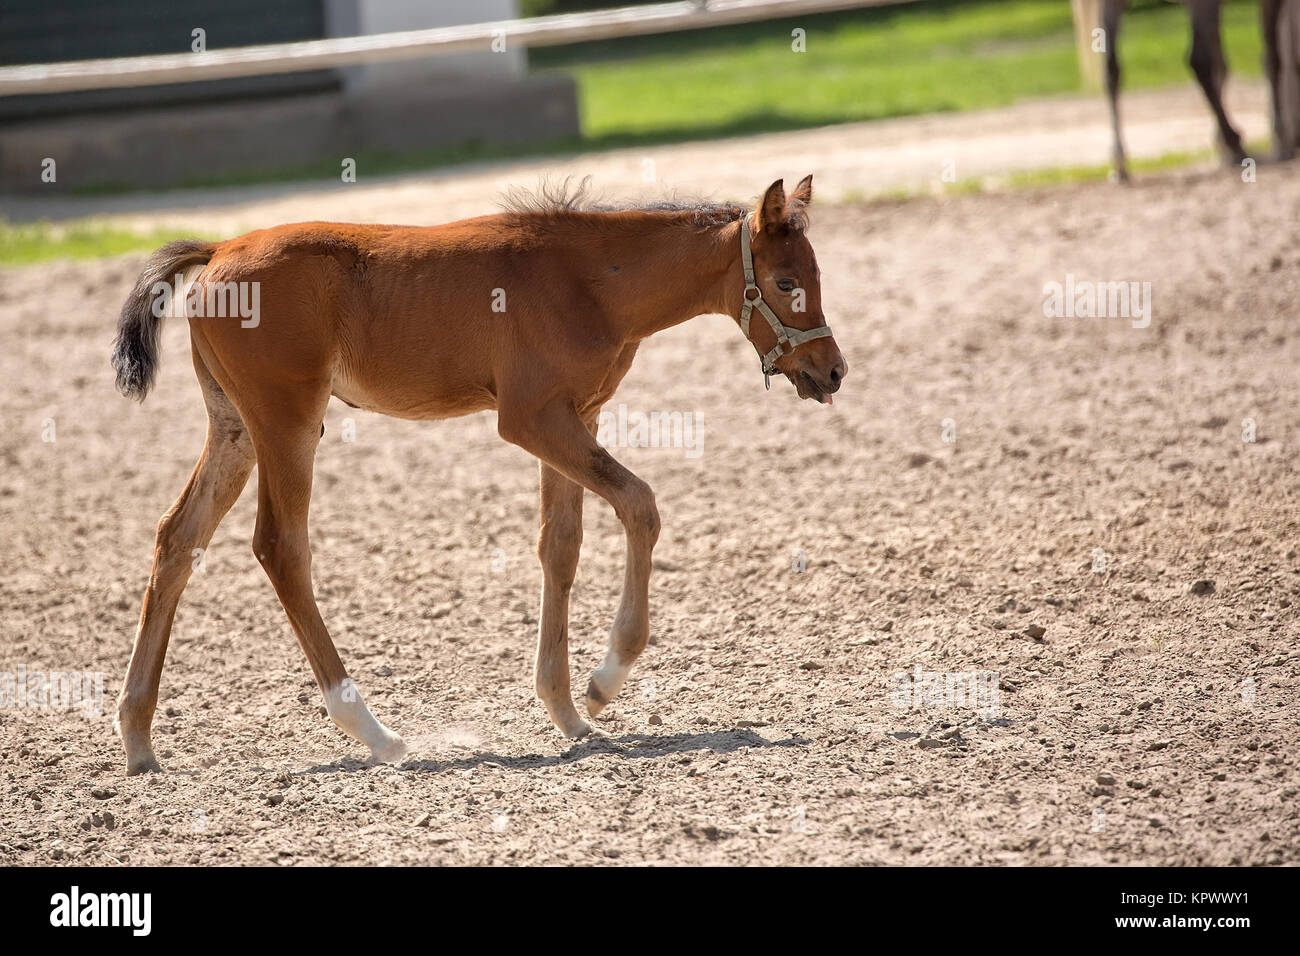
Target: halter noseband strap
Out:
[787,337]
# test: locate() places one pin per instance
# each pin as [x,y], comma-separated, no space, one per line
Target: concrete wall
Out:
[390,108]
[357,17]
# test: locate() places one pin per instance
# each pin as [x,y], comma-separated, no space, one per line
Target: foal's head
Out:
[786,273]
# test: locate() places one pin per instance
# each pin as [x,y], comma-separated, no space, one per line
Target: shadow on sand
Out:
[629,747]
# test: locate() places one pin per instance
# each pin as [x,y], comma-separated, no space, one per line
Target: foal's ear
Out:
[771,211]
[803,192]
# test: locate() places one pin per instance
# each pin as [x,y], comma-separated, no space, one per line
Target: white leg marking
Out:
[349,711]
[608,679]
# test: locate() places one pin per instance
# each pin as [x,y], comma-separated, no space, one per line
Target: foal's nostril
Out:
[836,376]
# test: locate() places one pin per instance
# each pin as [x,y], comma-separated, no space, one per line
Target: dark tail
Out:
[135,351]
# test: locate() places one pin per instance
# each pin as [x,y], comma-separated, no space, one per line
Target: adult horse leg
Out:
[218,478]
[1110,16]
[1288,39]
[1269,11]
[1281,31]
[1210,67]
[559,437]
[285,428]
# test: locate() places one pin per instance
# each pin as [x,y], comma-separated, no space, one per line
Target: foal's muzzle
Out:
[836,375]
[812,382]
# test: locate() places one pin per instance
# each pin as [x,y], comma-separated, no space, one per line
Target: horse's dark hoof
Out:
[596,699]
[141,765]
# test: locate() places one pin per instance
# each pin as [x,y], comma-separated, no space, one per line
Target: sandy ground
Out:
[1098,473]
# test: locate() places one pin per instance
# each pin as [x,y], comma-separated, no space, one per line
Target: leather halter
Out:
[787,337]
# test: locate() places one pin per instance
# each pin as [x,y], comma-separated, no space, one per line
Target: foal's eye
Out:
[785,285]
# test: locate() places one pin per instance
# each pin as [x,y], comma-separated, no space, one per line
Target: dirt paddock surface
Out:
[1099,544]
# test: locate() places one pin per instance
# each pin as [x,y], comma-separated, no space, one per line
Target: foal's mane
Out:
[557,201]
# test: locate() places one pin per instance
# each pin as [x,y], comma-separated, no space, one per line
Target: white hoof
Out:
[391,750]
[580,730]
[350,713]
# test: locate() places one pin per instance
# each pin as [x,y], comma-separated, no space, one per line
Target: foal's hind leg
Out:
[218,478]
[286,435]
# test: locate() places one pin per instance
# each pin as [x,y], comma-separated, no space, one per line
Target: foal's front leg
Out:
[557,436]
[630,632]
[558,545]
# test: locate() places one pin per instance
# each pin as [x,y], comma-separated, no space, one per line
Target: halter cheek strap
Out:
[787,337]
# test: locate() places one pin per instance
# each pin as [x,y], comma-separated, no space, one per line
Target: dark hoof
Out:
[596,700]
[148,765]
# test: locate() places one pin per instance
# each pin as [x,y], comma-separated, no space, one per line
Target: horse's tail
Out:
[135,351]
[1087,17]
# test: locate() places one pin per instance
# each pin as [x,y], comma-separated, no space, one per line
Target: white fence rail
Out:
[409,44]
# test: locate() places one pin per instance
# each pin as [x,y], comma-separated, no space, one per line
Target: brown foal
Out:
[536,312]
